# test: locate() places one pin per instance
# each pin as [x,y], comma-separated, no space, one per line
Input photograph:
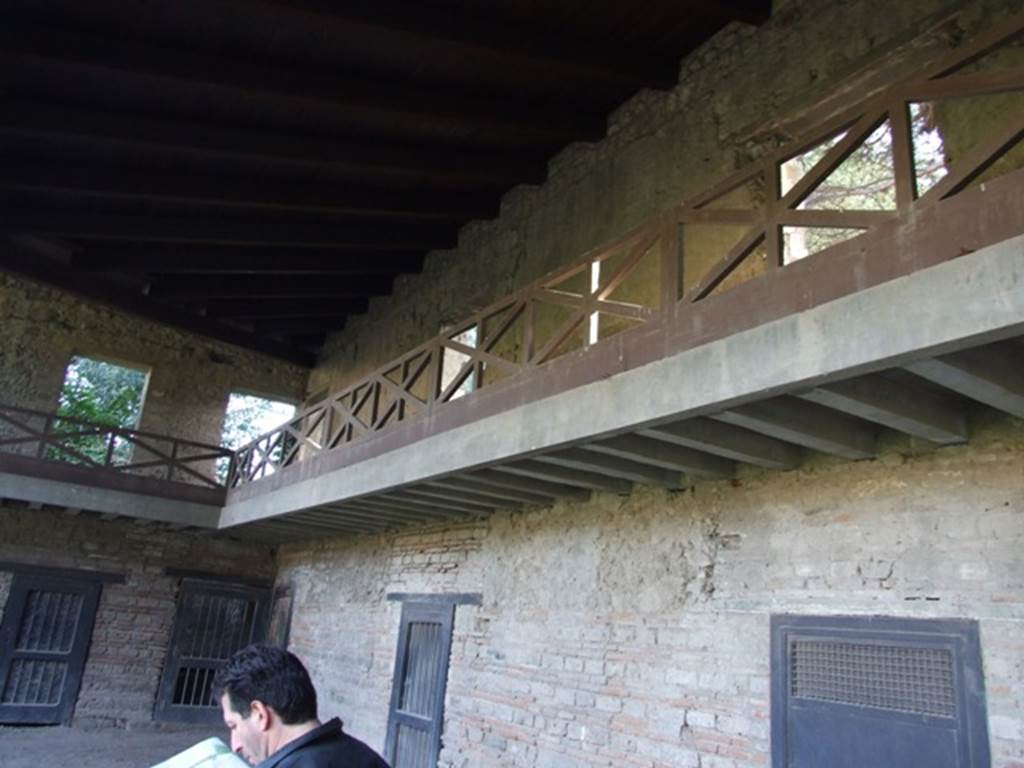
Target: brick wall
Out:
[190,377]
[134,619]
[634,631]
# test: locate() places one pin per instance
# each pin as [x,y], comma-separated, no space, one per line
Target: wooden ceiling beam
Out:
[236,260]
[522,50]
[17,258]
[180,137]
[373,97]
[258,193]
[244,309]
[236,231]
[300,326]
[265,287]
[754,12]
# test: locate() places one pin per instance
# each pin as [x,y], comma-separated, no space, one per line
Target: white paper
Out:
[211,753]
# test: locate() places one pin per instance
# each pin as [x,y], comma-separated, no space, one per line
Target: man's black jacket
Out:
[325,747]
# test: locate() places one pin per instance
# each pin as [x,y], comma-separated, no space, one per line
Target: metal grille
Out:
[221,626]
[49,621]
[892,677]
[423,661]
[34,683]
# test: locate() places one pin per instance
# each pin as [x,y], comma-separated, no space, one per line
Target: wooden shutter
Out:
[44,637]
[416,717]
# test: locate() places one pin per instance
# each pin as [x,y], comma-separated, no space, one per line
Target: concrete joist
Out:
[624,469]
[727,441]
[559,473]
[375,518]
[806,424]
[495,492]
[447,494]
[530,485]
[412,497]
[991,375]
[906,409]
[106,501]
[665,455]
[426,511]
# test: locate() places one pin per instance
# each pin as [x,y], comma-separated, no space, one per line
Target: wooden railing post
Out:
[47,429]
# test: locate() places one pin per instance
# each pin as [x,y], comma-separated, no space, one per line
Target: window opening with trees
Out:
[100,392]
[247,418]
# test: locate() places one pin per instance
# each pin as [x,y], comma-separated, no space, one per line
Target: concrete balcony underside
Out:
[912,355]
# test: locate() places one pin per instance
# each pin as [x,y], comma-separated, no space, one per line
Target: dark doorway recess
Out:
[852,691]
[213,621]
[416,716]
[44,638]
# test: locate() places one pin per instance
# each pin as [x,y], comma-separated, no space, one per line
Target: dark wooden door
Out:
[44,638]
[212,622]
[416,716]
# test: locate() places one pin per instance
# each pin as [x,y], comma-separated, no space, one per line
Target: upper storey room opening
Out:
[258,172]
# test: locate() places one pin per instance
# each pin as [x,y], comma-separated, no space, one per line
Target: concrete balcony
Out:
[713,337]
[47,459]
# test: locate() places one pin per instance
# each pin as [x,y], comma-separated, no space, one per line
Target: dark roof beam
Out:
[19,259]
[262,193]
[312,153]
[523,50]
[243,309]
[254,78]
[244,287]
[207,260]
[243,231]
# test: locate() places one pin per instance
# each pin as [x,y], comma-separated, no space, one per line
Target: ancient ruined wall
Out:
[134,619]
[190,376]
[744,93]
[635,630]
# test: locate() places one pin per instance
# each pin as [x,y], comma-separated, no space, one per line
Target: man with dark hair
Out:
[269,706]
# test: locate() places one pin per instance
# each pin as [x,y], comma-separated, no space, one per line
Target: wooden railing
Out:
[56,438]
[873,170]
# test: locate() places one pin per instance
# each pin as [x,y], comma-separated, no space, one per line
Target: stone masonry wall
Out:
[190,377]
[634,631]
[742,94]
[134,619]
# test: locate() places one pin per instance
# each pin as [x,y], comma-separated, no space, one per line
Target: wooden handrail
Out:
[507,339]
[54,437]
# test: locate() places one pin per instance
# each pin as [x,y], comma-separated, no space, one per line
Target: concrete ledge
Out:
[972,300]
[74,496]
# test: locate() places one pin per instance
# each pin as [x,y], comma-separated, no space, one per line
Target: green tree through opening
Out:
[102,393]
